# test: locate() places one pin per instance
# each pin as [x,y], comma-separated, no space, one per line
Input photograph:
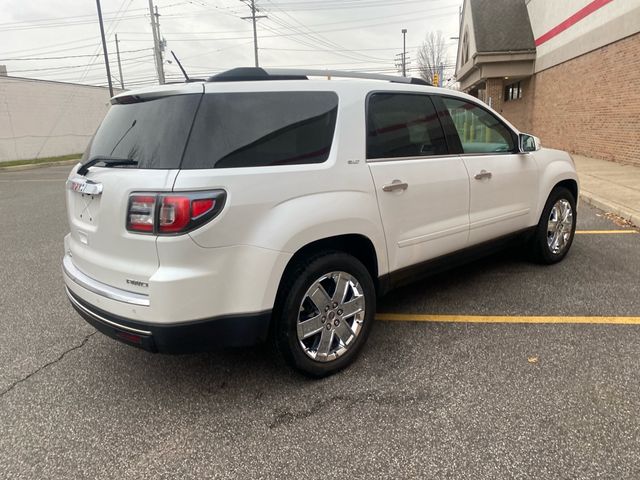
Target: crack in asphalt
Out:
[48,364]
[286,416]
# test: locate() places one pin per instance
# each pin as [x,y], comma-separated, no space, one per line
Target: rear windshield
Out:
[153,132]
[252,129]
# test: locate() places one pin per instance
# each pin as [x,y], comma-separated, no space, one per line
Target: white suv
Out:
[261,203]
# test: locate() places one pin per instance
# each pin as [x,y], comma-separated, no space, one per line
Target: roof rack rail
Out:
[245,74]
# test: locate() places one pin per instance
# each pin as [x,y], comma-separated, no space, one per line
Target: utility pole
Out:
[119,64]
[104,48]
[156,43]
[253,18]
[161,41]
[160,44]
[404,52]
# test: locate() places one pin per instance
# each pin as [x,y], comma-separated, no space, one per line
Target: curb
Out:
[30,166]
[611,206]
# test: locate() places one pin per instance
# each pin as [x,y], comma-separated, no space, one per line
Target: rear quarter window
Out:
[253,129]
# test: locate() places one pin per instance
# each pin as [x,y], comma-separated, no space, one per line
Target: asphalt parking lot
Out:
[534,393]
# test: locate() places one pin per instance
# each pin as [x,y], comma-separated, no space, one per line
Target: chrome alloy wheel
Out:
[330,317]
[559,226]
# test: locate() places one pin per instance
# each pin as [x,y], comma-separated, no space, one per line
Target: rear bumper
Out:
[189,282]
[99,288]
[184,337]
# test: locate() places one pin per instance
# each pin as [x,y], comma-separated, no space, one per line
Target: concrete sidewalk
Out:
[610,186]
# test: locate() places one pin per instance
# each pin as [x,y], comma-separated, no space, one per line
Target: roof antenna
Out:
[180,65]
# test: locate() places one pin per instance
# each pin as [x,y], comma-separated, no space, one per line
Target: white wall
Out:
[44,119]
[611,22]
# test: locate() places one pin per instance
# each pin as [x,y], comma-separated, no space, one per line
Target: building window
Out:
[465,48]
[512,91]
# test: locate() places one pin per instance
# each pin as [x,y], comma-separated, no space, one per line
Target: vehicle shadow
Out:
[446,292]
[252,373]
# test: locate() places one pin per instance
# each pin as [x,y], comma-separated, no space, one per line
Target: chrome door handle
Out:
[483,174]
[395,185]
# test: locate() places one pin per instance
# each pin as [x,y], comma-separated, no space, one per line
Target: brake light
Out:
[172,214]
[201,206]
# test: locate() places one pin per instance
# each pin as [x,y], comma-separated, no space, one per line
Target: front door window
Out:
[478,129]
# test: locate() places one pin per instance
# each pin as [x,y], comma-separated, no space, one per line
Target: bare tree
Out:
[431,55]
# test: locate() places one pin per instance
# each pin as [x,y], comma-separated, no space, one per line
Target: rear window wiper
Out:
[107,161]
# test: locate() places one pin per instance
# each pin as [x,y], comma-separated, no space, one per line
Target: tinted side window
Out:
[403,125]
[153,133]
[479,130]
[255,129]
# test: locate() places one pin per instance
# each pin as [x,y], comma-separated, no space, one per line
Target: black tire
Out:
[291,294]
[540,249]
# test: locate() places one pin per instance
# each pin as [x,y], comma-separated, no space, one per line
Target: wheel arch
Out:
[358,245]
[570,185]
[355,244]
[556,170]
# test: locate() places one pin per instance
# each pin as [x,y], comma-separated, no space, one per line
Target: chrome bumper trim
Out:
[100,288]
[82,185]
[100,318]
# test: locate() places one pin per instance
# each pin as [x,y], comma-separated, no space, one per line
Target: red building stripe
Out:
[572,20]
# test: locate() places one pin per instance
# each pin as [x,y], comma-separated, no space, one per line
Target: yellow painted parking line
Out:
[409,317]
[604,232]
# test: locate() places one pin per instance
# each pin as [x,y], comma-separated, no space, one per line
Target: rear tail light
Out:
[172,214]
[140,217]
[175,214]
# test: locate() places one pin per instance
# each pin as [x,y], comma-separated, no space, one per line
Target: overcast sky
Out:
[210,36]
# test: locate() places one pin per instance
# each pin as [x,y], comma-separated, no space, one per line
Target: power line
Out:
[74,20]
[423,14]
[298,33]
[63,24]
[47,50]
[317,37]
[65,57]
[342,4]
[338,50]
[65,67]
[315,42]
[70,97]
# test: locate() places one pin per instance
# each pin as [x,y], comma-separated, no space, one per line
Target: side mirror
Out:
[528,143]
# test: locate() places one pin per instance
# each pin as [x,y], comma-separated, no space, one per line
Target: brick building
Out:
[568,72]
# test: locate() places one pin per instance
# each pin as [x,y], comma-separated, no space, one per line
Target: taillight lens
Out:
[202,206]
[172,214]
[140,217]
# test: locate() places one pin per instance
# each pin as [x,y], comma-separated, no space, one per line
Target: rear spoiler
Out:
[157,92]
